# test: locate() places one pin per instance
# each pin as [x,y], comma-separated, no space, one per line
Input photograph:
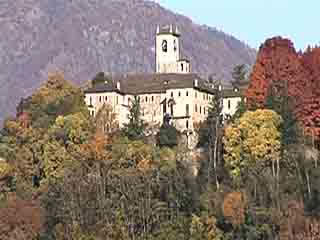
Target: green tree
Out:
[279,100]
[239,75]
[135,129]
[101,77]
[167,136]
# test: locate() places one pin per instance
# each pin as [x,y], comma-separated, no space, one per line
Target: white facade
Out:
[172,90]
[168,52]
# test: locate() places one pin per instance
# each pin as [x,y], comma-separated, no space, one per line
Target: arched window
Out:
[179,94]
[174,45]
[164,46]
[187,94]
[181,67]
[171,94]
[187,124]
[106,98]
[146,99]
[229,104]
[152,98]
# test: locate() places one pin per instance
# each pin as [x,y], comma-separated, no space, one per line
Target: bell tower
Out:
[167,49]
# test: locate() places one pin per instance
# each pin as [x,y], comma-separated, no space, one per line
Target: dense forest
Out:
[66,175]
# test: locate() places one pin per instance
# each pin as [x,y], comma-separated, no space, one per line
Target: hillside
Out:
[82,37]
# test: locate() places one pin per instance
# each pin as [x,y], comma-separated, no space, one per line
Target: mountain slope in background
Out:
[83,37]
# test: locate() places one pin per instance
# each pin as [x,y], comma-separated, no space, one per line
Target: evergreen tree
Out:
[239,75]
[135,129]
[167,136]
[279,100]
[100,78]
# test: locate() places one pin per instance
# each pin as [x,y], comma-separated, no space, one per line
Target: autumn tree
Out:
[20,219]
[253,141]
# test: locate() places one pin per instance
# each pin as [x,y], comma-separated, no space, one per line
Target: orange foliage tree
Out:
[279,64]
[234,207]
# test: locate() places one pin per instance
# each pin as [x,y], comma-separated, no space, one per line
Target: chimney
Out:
[118,85]
[196,82]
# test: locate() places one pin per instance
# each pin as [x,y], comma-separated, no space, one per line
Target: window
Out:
[179,94]
[146,99]
[187,94]
[187,124]
[187,109]
[100,99]
[196,108]
[181,67]
[171,94]
[106,99]
[152,98]
[164,46]
[171,109]
[174,45]
[200,110]
[90,101]
[229,104]
[164,108]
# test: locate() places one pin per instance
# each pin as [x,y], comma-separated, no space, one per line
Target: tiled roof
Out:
[151,83]
[101,87]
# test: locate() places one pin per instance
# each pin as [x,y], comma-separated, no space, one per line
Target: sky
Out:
[253,21]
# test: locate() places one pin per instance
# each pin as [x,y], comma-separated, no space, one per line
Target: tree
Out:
[253,141]
[167,136]
[100,78]
[278,100]
[135,129]
[239,75]
[234,207]
[20,219]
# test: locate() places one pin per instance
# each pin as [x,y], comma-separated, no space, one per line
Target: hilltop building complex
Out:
[171,91]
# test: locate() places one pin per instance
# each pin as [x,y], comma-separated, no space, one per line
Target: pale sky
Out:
[253,21]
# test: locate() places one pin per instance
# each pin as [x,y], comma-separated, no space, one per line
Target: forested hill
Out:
[84,37]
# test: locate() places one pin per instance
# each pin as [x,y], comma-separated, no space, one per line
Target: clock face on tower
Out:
[164,46]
